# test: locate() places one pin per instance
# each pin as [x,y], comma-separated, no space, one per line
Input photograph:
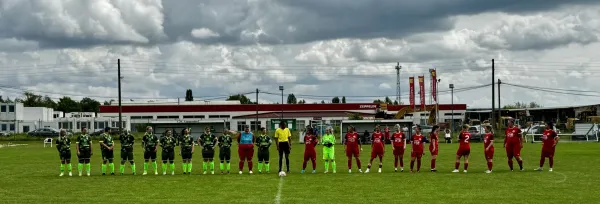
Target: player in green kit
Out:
[127,141]
[107,146]
[168,143]
[225,151]
[84,151]
[263,142]
[328,142]
[208,141]
[63,145]
[187,149]
[150,145]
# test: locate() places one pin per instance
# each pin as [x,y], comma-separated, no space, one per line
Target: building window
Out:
[240,125]
[100,125]
[3,108]
[12,127]
[300,124]
[65,125]
[11,108]
[218,116]
[254,125]
[193,116]
[3,127]
[167,117]
[26,128]
[83,125]
[116,124]
[141,117]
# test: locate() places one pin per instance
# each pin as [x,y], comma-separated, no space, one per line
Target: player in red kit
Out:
[513,144]
[386,133]
[488,147]
[464,149]
[398,147]
[310,141]
[433,145]
[378,148]
[417,149]
[353,148]
[549,139]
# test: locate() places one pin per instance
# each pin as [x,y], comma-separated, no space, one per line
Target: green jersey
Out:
[263,142]
[225,141]
[84,141]
[187,142]
[63,144]
[107,140]
[328,140]
[168,143]
[127,141]
[149,142]
[208,141]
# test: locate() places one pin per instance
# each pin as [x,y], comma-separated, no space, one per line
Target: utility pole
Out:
[398,90]
[499,106]
[281,89]
[256,123]
[120,107]
[452,96]
[493,96]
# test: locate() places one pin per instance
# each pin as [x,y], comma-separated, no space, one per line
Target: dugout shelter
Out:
[369,125]
[217,127]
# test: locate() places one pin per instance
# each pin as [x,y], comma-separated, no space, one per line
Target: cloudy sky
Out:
[314,48]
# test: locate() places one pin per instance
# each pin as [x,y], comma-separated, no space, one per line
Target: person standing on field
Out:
[284,145]
[464,149]
[63,145]
[513,142]
[263,142]
[108,155]
[310,141]
[378,148]
[328,142]
[549,140]
[168,144]
[353,148]
[433,145]
[127,141]
[488,145]
[245,148]
[187,150]
[150,145]
[417,149]
[208,141]
[398,147]
[84,152]
[225,151]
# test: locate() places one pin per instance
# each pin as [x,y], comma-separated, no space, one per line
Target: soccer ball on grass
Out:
[282,174]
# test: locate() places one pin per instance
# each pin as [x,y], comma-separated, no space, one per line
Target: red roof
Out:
[261,107]
[304,114]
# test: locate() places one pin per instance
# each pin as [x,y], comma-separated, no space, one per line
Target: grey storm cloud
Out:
[59,24]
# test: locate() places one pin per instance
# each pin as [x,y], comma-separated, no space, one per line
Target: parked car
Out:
[477,133]
[44,132]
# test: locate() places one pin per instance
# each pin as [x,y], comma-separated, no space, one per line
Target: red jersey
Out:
[548,138]
[463,140]
[417,143]
[352,139]
[377,139]
[310,141]
[398,139]
[487,140]
[433,136]
[512,134]
[387,133]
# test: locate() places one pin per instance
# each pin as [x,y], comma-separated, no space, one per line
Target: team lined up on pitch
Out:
[247,141]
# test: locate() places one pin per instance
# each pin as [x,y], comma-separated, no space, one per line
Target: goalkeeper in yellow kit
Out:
[328,142]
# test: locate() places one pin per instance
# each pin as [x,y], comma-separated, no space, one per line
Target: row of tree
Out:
[65,104]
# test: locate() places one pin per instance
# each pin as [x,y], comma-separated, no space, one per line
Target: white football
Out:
[281,174]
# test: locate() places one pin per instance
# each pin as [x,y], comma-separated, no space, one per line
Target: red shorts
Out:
[489,154]
[416,154]
[433,153]
[513,150]
[310,154]
[246,151]
[377,152]
[548,152]
[398,151]
[352,151]
[463,152]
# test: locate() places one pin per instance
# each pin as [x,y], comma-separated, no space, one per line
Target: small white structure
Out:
[48,141]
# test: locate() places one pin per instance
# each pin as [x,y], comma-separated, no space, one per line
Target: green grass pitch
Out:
[29,174]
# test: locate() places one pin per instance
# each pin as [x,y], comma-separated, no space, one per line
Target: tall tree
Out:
[388,100]
[335,100]
[520,105]
[291,99]
[322,102]
[395,102]
[32,100]
[188,95]
[89,105]
[108,103]
[343,99]
[1,99]
[67,105]
[7,100]
[302,101]
[48,102]
[239,97]
[378,101]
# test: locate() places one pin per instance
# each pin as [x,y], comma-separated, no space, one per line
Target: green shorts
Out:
[328,153]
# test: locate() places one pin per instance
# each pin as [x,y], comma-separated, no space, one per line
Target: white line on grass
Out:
[564,179]
[278,196]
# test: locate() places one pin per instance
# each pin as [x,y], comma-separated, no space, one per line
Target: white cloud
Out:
[384,86]
[204,33]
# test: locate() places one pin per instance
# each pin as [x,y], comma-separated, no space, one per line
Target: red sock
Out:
[358,163]
[542,160]
[466,165]
[304,164]
[241,165]
[520,164]
[412,164]
[418,164]
[350,163]
[510,164]
[456,165]
[314,163]
[489,164]
[401,162]
[551,161]
[250,165]
[395,161]
[433,164]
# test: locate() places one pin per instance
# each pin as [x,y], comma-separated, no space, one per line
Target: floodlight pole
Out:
[452,95]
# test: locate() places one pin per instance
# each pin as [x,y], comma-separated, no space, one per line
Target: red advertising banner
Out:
[411,82]
[433,84]
[422,91]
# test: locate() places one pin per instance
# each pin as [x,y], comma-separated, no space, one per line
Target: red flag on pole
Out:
[422,91]
[411,82]
[434,84]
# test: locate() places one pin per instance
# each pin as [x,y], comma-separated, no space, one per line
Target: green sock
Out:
[184,167]
[212,166]
[88,167]
[190,167]
[145,166]
[333,166]
[268,167]
[80,167]
[164,167]
[260,166]
[70,167]
[326,166]
[112,167]
[222,166]
[155,166]
[122,168]
[133,168]
[172,167]
[103,168]
[204,166]
[228,166]
[62,168]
